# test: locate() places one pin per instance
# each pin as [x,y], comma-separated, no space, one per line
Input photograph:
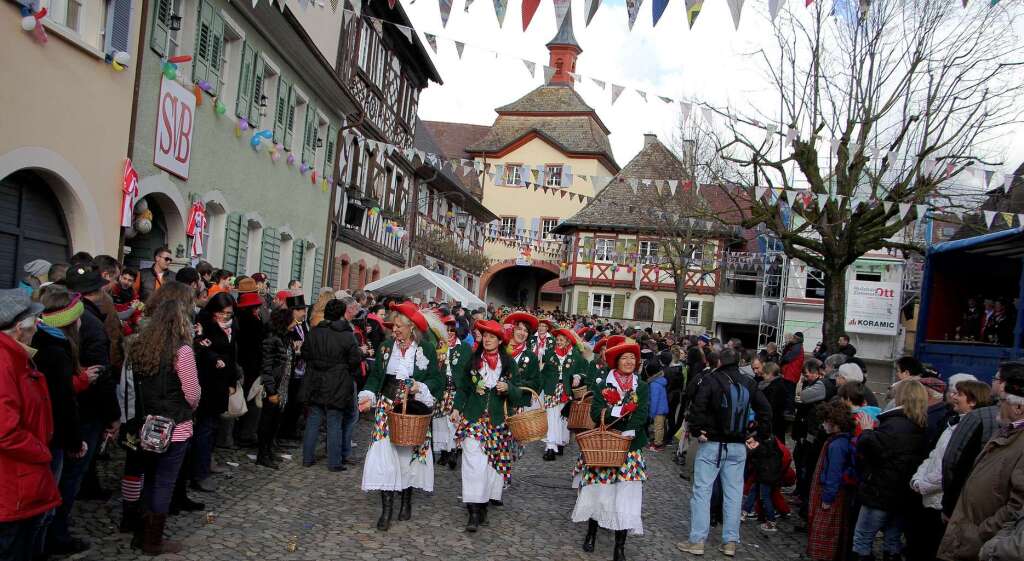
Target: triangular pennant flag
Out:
[1020,220]
[531,67]
[548,74]
[693,10]
[529,9]
[736,8]
[773,8]
[1007,181]
[1008,217]
[500,7]
[705,111]
[904,209]
[822,201]
[632,9]
[685,107]
[446,10]
[887,205]
[990,215]
[590,8]
[665,99]
[643,95]
[672,186]
[791,135]
[922,211]
[466,8]
[561,8]
[459,47]
[391,3]
[405,31]
[616,92]
[658,10]
[759,192]
[432,41]
[599,83]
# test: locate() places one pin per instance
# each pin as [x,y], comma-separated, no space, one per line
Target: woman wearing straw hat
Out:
[443,431]
[482,389]
[564,369]
[406,362]
[612,498]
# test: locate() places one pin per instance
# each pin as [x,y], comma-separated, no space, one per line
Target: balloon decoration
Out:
[30,23]
[119,60]
[303,168]
[258,136]
[198,92]
[291,159]
[170,70]
[241,126]
[219,108]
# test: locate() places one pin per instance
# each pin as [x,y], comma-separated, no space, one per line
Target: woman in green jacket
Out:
[612,498]
[407,363]
[523,326]
[488,385]
[564,369]
[455,357]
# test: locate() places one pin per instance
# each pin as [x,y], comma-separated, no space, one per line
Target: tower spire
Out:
[563,50]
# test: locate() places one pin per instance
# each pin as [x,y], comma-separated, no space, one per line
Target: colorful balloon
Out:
[243,124]
[291,159]
[258,136]
[180,59]
[117,67]
[219,107]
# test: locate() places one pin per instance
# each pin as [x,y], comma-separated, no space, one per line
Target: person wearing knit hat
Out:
[489,385]
[455,360]
[612,498]
[35,275]
[406,365]
[563,369]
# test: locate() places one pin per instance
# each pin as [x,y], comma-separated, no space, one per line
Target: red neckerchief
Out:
[515,350]
[491,357]
[622,380]
[453,340]
[404,347]
[561,352]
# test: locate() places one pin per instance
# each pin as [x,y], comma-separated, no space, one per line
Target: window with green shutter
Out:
[289,126]
[258,76]
[298,261]
[669,313]
[281,115]
[707,314]
[330,144]
[160,29]
[270,257]
[618,305]
[245,81]
[236,243]
[309,135]
[318,271]
[583,303]
[206,60]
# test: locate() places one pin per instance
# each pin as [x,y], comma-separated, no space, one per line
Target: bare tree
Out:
[886,106]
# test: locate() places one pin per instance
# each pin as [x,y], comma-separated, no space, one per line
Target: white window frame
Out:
[553,175]
[647,251]
[603,249]
[690,311]
[512,175]
[601,302]
[546,225]
[57,13]
[507,227]
[815,275]
[176,38]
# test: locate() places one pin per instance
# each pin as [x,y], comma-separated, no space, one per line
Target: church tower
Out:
[563,50]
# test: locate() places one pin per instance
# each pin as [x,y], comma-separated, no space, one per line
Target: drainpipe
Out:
[139,50]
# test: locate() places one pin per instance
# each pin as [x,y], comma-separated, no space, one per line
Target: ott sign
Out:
[175,123]
[873,307]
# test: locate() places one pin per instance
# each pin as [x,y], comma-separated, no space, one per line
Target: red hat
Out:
[409,310]
[551,324]
[492,327]
[249,300]
[283,295]
[600,345]
[529,319]
[449,320]
[613,341]
[612,354]
[567,333]
[585,332]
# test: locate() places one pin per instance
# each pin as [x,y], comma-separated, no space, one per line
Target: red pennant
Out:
[529,9]
[391,4]
[687,185]
[563,194]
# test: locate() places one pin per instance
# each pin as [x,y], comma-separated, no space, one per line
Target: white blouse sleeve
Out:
[424,396]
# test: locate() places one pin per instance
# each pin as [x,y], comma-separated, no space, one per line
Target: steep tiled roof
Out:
[578,134]
[549,99]
[467,185]
[450,141]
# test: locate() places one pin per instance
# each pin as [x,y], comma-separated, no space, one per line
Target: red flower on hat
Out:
[628,408]
[564,398]
[611,396]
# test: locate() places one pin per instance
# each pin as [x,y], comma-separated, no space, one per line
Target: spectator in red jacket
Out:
[26,427]
[792,364]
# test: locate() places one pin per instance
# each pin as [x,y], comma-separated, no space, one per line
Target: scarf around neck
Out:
[491,358]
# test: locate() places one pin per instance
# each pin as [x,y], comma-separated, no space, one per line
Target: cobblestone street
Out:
[256,511]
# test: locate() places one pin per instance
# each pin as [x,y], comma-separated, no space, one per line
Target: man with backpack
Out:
[729,414]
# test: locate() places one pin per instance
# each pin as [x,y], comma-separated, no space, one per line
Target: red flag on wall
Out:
[129,193]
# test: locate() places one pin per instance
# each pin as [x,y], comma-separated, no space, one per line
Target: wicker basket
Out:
[579,412]
[528,426]
[407,430]
[602,447]
[580,392]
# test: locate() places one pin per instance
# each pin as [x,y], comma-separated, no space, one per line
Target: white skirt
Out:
[557,431]
[392,468]
[480,482]
[443,432]
[615,506]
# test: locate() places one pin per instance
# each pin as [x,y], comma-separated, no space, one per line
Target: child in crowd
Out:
[659,404]
[765,469]
[829,526]
[865,416]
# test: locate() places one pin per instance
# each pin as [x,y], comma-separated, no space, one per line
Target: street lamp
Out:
[175,23]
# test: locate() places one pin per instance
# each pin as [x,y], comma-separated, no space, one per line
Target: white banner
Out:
[175,123]
[873,307]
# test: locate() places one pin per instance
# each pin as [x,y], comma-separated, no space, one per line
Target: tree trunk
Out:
[678,322]
[834,314]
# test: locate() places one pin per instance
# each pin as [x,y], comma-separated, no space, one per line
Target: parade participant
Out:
[407,362]
[490,379]
[599,366]
[564,368]
[455,359]
[523,325]
[543,340]
[612,498]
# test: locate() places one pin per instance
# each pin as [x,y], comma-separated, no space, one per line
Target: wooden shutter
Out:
[216,53]
[258,70]
[271,255]
[309,136]
[118,27]
[669,313]
[583,302]
[330,144]
[318,271]
[707,314]
[245,81]
[289,126]
[236,242]
[204,33]
[298,261]
[281,108]
[618,306]
[159,30]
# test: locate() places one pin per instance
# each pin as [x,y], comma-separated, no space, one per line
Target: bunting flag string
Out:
[736,8]
[529,9]
[657,10]
[590,8]
[445,7]
[500,7]
[632,9]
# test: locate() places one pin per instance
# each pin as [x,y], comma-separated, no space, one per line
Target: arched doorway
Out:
[643,309]
[517,285]
[32,225]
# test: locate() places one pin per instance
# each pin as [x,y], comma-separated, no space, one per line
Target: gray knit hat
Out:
[38,267]
[15,305]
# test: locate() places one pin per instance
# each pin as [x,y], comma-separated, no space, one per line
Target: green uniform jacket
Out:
[472,405]
[430,376]
[635,421]
[459,357]
[555,371]
[528,366]
[531,344]
[594,375]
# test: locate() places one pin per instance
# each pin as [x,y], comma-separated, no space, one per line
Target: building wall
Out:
[67,114]
[355,268]
[324,27]
[581,300]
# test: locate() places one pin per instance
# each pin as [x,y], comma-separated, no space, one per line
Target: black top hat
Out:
[297,302]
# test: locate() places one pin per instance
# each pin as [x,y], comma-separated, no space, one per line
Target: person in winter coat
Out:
[887,458]
[250,334]
[659,408]
[972,432]
[275,375]
[765,466]
[774,389]
[1007,544]
[26,430]
[833,488]
[994,492]
[925,532]
[332,357]
[792,363]
[865,416]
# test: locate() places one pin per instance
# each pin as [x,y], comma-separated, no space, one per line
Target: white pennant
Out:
[922,211]
[736,7]
[759,192]
[791,134]
[460,46]
[887,205]
[822,201]
[616,92]
[1007,181]
[672,183]
[706,112]
[773,8]
[530,66]
[632,185]
[405,31]
[686,108]
[990,215]
[904,209]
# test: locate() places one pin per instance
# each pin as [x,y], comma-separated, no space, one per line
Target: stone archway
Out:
[507,282]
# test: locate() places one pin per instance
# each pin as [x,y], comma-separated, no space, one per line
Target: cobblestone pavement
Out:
[256,511]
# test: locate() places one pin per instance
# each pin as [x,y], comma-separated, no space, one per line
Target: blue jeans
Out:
[764,491]
[56,467]
[16,538]
[71,481]
[714,458]
[347,428]
[204,431]
[869,522]
[161,474]
[317,414]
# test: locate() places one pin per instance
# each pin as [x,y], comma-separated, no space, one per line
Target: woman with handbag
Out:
[564,369]
[166,394]
[406,368]
[490,379]
[612,498]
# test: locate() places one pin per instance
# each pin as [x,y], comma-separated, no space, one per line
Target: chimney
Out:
[563,50]
[650,139]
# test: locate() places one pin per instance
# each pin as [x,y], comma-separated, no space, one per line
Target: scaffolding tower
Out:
[773,292]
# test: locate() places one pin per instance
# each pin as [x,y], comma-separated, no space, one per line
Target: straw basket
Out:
[602,447]
[580,392]
[407,430]
[527,426]
[579,411]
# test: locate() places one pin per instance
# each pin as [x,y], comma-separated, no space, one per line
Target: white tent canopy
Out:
[419,279]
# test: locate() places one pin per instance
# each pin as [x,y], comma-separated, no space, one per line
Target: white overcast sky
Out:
[709,62]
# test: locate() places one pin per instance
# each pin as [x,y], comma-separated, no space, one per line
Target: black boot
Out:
[443,458]
[180,501]
[591,538]
[474,517]
[131,516]
[483,515]
[265,457]
[453,459]
[405,512]
[387,505]
[620,546]
[549,455]
[561,449]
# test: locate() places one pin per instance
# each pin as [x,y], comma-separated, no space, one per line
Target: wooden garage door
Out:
[32,225]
